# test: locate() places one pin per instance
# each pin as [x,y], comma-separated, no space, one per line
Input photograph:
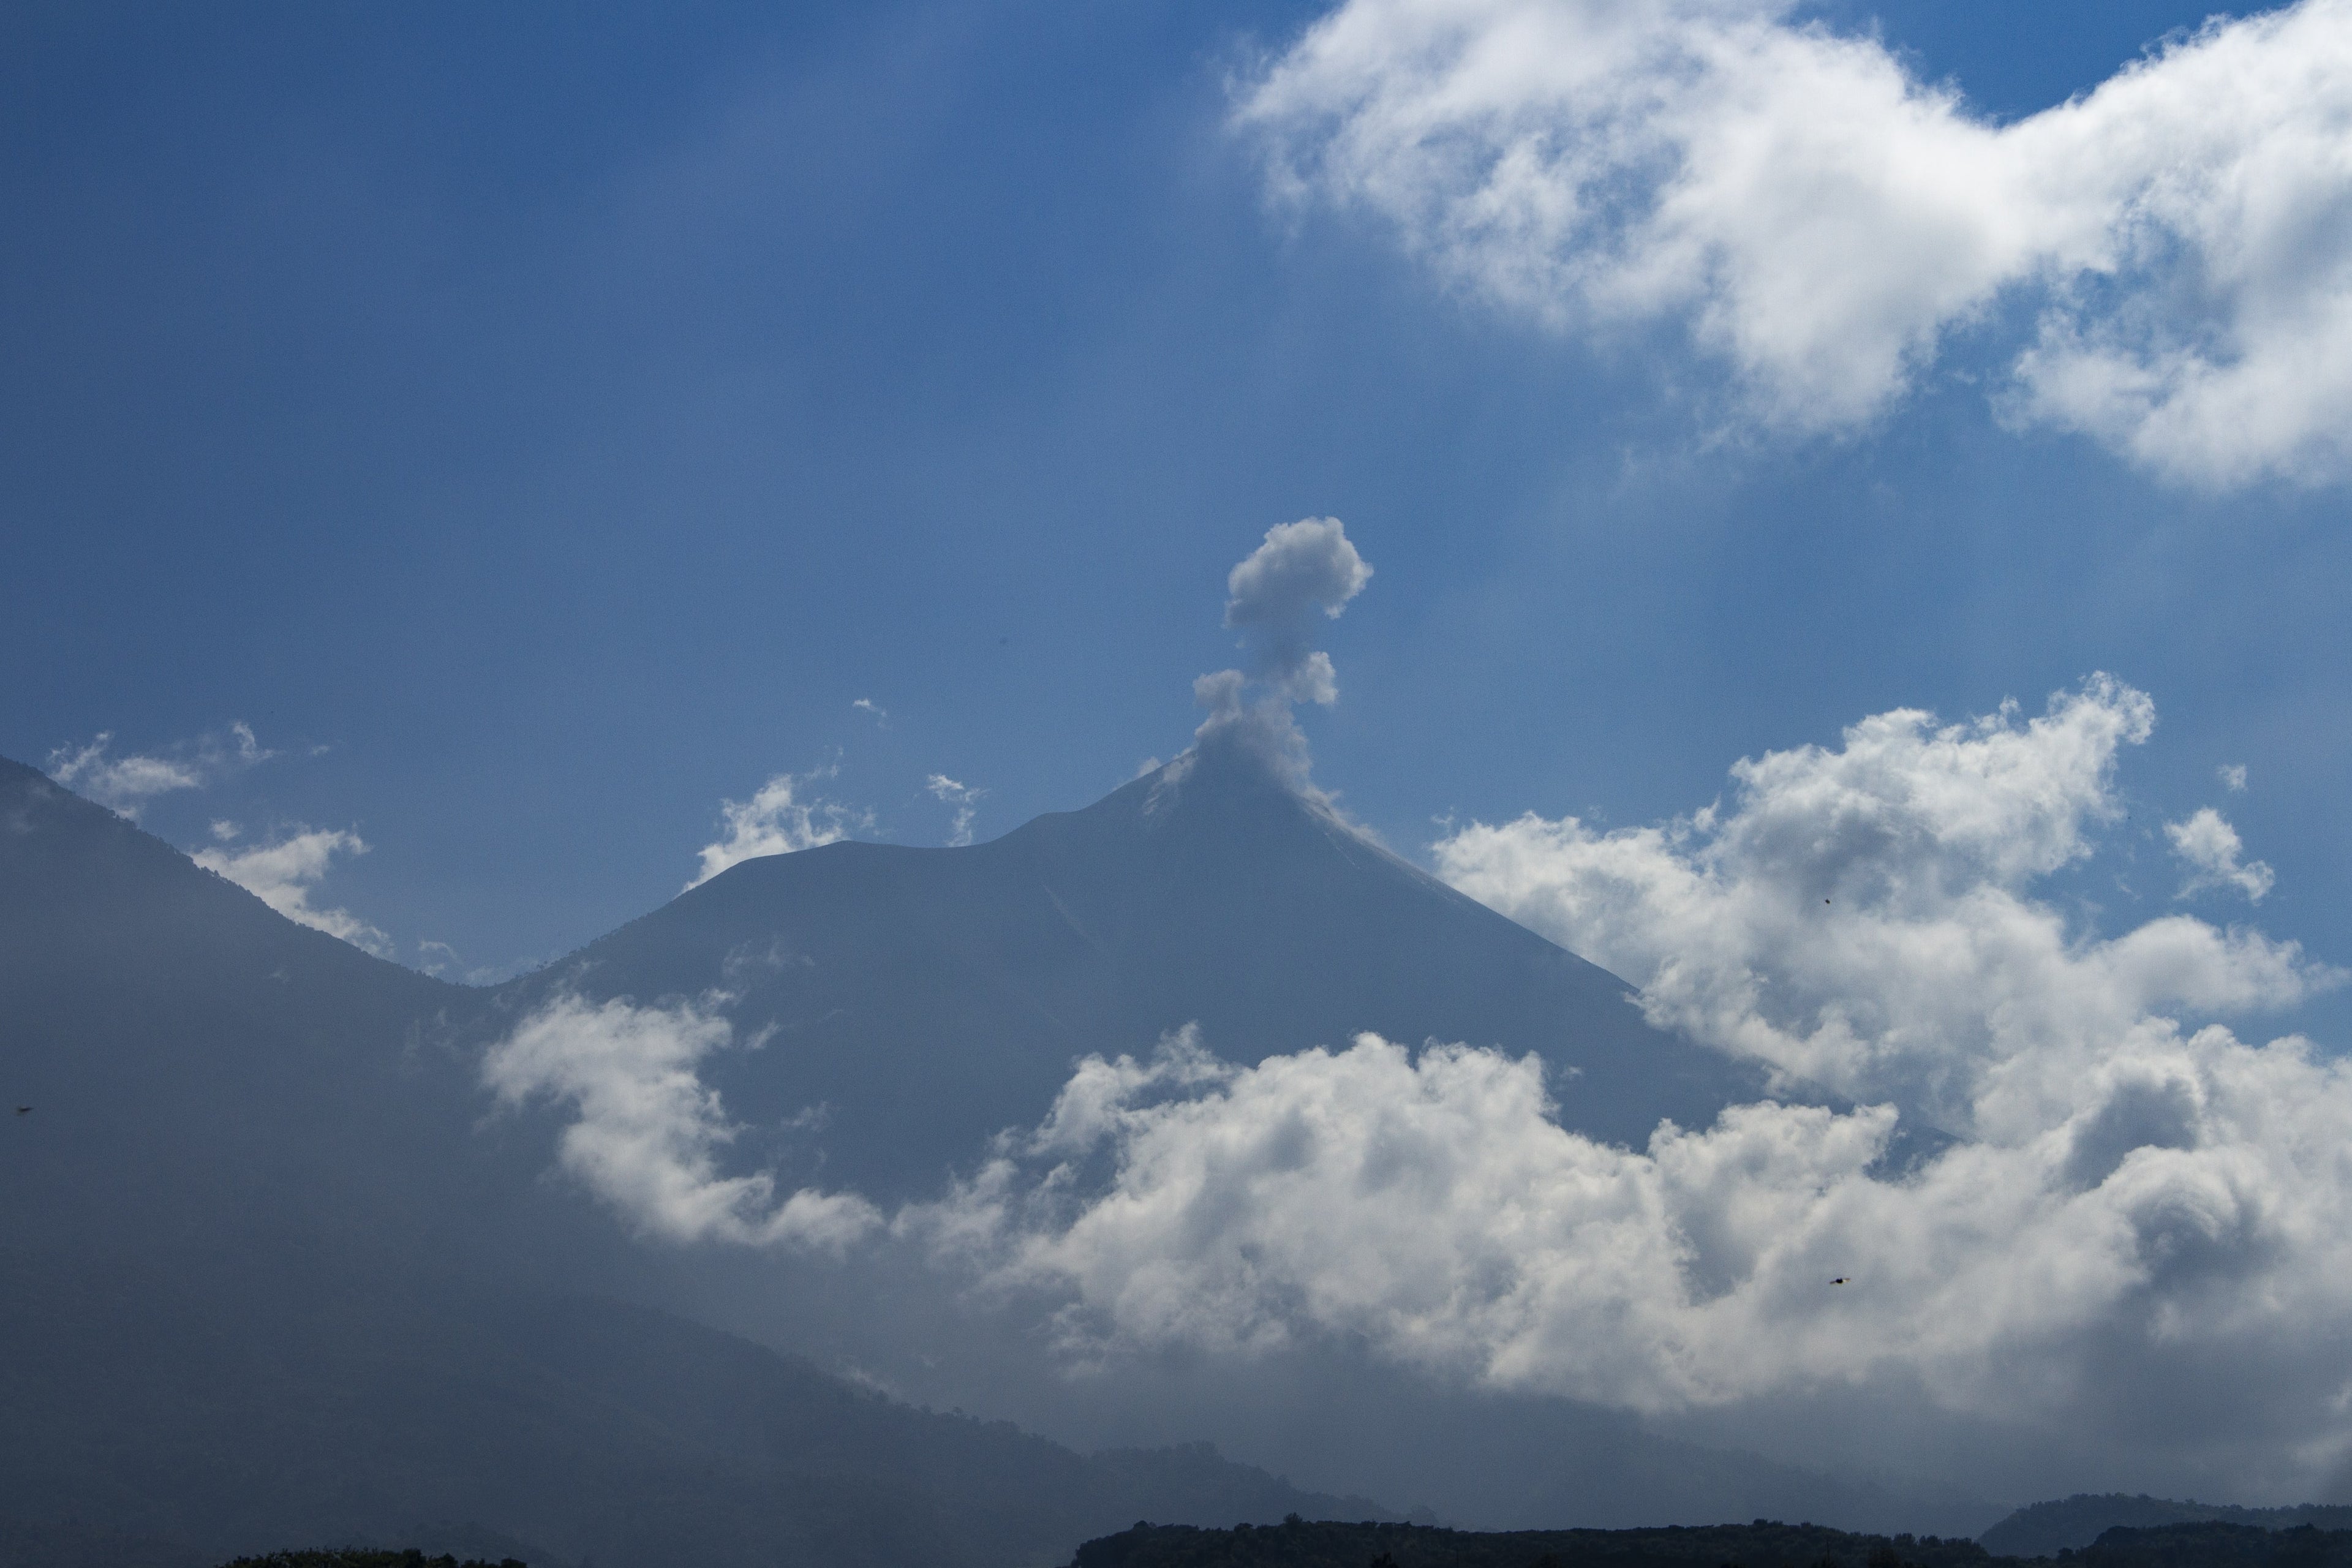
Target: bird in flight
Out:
[24,1110]
[1841,1280]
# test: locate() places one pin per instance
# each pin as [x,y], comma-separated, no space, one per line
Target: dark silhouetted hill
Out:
[1763,1544]
[1303,1544]
[2046,1528]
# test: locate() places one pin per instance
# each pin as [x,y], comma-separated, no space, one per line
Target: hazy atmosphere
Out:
[1557,764]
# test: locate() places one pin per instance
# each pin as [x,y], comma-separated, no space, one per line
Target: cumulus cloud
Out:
[646,1132]
[283,872]
[1303,572]
[2211,846]
[1864,919]
[963,798]
[2184,1211]
[777,821]
[2130,1195]
[125,784]
[1824,223]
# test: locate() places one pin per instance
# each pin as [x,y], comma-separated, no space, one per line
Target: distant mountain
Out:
[929,997]
[2046,1528]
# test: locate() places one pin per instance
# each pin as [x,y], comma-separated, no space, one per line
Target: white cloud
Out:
[2185,1209]
[2134,1198]
[2211,846]
[648,1134]
[2232,776]
[125,784]
[282,874]
[776,821]
[873,709]
[964,797]
[1863,919]
[1823,222]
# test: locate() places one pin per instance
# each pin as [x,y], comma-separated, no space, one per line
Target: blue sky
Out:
[541,427]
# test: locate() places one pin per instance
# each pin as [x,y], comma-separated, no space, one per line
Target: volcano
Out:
[914,1001]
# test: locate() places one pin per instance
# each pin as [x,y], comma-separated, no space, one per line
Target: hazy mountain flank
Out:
[269,1282]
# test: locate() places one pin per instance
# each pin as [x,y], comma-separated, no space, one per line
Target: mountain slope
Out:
[929,997]
[245,1402]
[271,1279]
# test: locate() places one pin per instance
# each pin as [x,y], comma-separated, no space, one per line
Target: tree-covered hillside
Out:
[2046,1528]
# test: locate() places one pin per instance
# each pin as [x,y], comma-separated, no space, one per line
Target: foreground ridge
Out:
[1766,1544]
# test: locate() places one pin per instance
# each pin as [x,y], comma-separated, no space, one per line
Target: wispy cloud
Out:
[283,872]
[1823,222]
[963,798]
[126,784]
[776,820]
[646,1132]
[874,710]
[2211,846]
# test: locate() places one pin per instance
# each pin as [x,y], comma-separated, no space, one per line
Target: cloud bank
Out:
[283,872]
[1824,223]
[776,821]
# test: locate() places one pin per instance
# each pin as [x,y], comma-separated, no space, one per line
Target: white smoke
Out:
[1276,592]
[1304,571]
[1822,221]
